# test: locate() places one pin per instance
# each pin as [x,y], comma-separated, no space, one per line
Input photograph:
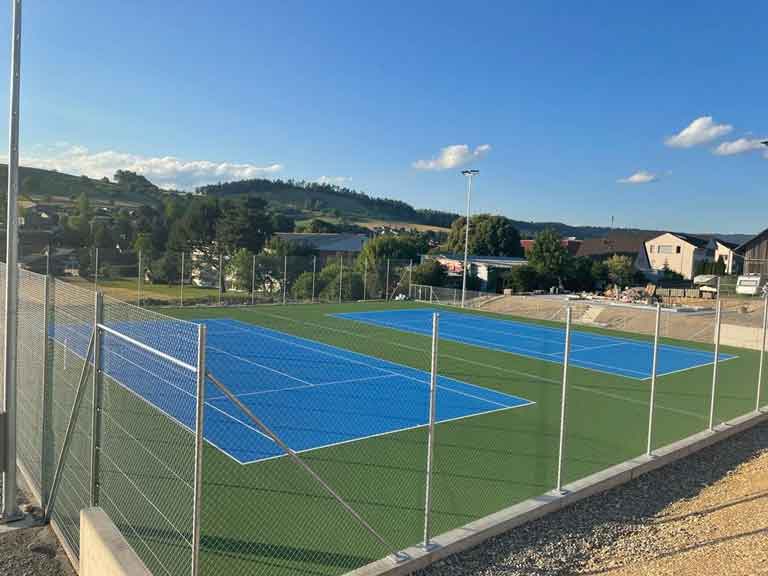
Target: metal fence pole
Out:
[45,409]
[341,277]
[410,278]
[221,277]
[762,353]
[714,366]
[10,509]
[96,270]
[386,284]
[199,431]
[253,280]
[314,272]
[431,432]
[285,277]
[564,401]
[96,397]
[138,284]
[654,365]
[181,283]
[365,278]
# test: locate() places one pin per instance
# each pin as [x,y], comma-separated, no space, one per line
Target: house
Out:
[327,244]
[755,254]
[725,251]
[678,252]
[618,243]
[486,268]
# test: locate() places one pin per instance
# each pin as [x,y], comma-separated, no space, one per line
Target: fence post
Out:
[199,432]
[96,397]
[181,282]
[564,401]
[314,271]
[386,284]
[431,432]
[285,276]
[714,366]
[45,420]
[96,270]
[138,283]
[341,277]
[762,353]
[654,365]
[410,278]
[221,277]
[253,280]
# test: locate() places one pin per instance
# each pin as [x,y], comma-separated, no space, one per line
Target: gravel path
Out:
[706,514]
[32,551]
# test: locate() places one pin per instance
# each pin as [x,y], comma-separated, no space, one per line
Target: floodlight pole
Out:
[762,352]
[10,510]
[469,174]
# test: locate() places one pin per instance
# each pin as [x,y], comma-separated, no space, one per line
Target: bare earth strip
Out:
[706,514]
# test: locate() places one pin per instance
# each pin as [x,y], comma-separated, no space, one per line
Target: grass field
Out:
[270,518]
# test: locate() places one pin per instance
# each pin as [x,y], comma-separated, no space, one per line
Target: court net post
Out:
[763,343]
[718,318]
[564,400]
[199,429]
[654,364]
[431,432]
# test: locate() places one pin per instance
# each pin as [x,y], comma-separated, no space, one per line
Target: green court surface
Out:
[271,518]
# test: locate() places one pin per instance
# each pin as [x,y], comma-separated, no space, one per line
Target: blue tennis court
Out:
[603,353]
[312,395]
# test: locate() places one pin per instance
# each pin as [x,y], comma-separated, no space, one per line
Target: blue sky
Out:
[554,102]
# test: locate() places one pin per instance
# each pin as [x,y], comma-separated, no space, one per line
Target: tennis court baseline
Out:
[312,395]
[600,352]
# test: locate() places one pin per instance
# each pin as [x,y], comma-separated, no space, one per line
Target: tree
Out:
[620,270]
[522,279]
[316,225]
[143,244]
[243,224]
[488,236]
[549,257]
[429,273]
[239,267]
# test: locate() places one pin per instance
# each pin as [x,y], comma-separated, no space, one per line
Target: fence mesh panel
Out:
[2,347]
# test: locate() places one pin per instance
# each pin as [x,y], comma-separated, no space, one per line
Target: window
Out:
[666,249]
[650,248]
[678,249]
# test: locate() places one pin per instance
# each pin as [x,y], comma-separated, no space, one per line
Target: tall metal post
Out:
[365,279]
[45,409]
[410,278]
[469,174]
[386,283]
[96,397]
[341,277]
[654,364]
[181,283]
[10,510]
[221,277]
[762,352]
[564,401]
[314,272]
[139,280]
[96,269]
[714,367]
[253,280]
[431,432]
[285,277]
[199,435]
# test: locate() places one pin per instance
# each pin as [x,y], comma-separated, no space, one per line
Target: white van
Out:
[750,284]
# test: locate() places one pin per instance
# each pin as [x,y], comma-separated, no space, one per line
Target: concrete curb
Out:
[474,533]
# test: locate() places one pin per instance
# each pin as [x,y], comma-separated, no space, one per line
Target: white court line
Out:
[289,389]
[261,332]
[275,370]
[589,349]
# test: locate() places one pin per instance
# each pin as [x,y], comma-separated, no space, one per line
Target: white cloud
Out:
[334,180]
[739,146]
[453,157]
[700,131]
[639,177]
[165,171]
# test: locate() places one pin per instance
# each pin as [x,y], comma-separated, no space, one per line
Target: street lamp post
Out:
[469,174]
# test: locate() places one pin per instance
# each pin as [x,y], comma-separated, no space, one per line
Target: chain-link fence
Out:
[317,439]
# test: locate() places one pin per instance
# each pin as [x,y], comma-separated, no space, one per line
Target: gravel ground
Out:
[706,514]
[33,551]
